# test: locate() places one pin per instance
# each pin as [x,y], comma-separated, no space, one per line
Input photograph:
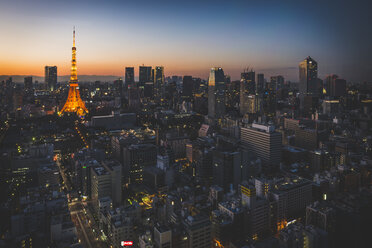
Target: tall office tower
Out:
[328,83]
[260,83]
[17,98]
[226,169]
[74,104]
[254,104]
[145,75]
[159,86]
[247,79]
[335,87]
[148,90]
[338,87]
[216,93]
[115,170]
[129,76]
[9,82]
[134,102]
[203,161]
[28,84]
[263,141]
[101,184]
[136,158]
[51,77]
[188,86]
[276,82]
[247,87]
[118,86]
[308,77]
[258,214]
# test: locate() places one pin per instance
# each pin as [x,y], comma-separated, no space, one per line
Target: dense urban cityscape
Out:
[155,160]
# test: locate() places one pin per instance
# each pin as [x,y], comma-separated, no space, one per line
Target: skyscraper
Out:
[328,83]
[308,77]
[144,75]
[335,87]
[216,93]
[51,77]
[28,84]
[159,82]
[247,87]
[276,82]
[260,83]
[247,79]
[187,85]
[118,85]
[338,88]
[129,76]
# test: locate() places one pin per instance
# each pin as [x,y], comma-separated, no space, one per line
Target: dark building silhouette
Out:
[51,77]
[129,76]
[144,74]
[188,85]
[216,93]
[28,84]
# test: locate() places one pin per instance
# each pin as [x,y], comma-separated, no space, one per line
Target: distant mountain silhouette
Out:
[62,79]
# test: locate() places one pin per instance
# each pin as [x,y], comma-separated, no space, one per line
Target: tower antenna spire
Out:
[74,102]
[74,37]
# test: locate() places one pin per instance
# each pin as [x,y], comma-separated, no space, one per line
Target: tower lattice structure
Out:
[74,104]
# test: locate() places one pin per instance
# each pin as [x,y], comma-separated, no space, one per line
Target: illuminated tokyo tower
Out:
[74,104]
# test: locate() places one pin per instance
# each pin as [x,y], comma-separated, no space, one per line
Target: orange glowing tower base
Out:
[74,104]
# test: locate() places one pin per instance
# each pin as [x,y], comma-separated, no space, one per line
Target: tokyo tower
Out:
[74,104]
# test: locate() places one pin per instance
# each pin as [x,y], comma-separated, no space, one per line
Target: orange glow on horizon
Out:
[91,68]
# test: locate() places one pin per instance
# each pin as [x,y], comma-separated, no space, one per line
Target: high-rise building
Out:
[328,83]
[148,90]
[276,82]
[145,74]
[28,84]
[216,93]
[136,158]
[129,76]
[338,88]
[188,85]
[250,104]
[159,86]
[226,169]
[133,98]
[51,77]
[118,86]
[308,69]
[115,170]
[247,87]
[101,184]
[106,182]
[263,141]
[292,196]
[254,104]
[247,79]
[260,83]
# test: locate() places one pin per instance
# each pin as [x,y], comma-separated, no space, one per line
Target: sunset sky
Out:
[186,37]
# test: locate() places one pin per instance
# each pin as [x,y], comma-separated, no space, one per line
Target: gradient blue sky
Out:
[187,37]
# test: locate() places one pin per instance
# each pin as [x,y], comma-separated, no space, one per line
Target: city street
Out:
[87,232]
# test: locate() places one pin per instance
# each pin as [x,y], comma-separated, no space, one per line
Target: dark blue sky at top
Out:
[270,36]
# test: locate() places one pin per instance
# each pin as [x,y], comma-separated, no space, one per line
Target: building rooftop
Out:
[100,171]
